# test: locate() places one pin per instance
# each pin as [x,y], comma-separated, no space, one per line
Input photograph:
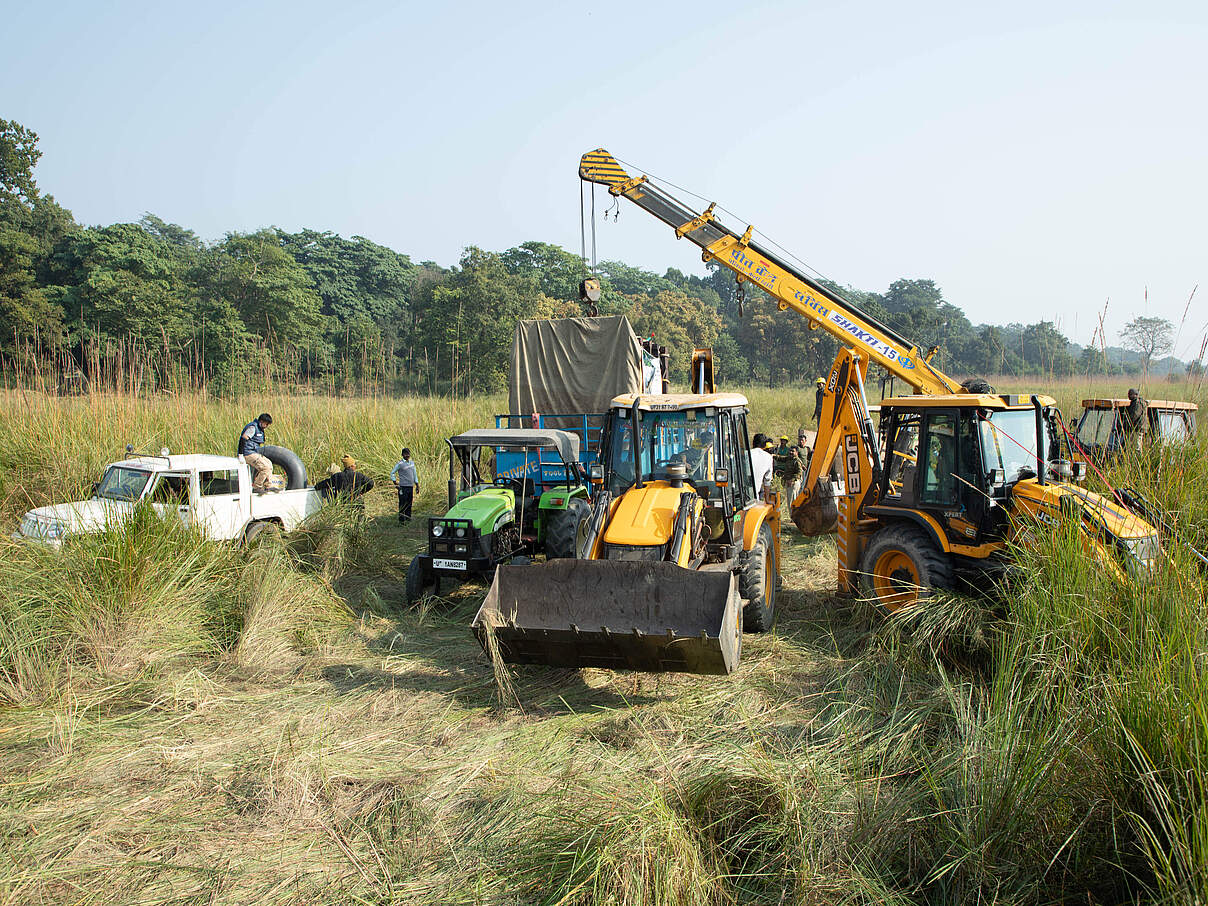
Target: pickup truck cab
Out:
[212,493]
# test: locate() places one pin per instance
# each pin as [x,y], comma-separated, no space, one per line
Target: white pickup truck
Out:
[213,493]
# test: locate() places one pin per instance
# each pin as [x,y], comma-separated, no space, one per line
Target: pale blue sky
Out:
[1035,159]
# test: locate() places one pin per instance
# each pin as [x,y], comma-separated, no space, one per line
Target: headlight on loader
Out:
[437,530]
[1140,554]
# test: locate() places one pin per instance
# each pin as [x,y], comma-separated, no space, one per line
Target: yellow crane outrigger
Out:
[966,474]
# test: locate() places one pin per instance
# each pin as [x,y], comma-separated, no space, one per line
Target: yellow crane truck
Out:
[948,479]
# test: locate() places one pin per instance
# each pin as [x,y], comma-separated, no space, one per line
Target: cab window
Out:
[172,490]
[1173,426]
[219,483]
[939,461]
[903,456]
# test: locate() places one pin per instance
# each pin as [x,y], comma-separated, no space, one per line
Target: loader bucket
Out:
[820,514]
[622,615]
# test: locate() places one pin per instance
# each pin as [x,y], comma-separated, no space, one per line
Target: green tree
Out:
[273,296]
[1046,350]
[365,288]
[19,155]
[30,225]
[465,321]
[126,283]
[678,322]
[557,272]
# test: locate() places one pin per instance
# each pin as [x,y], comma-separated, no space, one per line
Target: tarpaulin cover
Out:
[570,365]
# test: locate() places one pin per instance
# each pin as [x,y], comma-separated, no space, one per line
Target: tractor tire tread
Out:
[562,532]
[417,577]
[758,614]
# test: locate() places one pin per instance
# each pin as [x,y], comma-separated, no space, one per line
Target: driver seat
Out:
[526,498]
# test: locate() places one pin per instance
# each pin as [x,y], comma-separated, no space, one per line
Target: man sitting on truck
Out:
[251,439]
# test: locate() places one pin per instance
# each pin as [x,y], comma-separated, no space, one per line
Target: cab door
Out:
[951,484]
[169,497]
[218,509]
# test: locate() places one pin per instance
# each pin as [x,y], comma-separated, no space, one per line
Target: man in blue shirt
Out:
[406,479]
[251,439]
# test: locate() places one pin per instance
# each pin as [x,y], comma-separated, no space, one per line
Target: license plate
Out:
[448,564]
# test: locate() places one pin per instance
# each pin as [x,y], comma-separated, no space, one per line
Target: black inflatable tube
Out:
[295,471]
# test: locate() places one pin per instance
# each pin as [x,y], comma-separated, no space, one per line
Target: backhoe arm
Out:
[787,285]
[844,427]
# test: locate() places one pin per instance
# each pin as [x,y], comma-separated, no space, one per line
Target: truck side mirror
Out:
[722,478]
[596,473]
[996,477]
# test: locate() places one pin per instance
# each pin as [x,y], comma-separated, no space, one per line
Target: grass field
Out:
[184,723]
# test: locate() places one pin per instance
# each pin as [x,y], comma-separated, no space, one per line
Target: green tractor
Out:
[514,494]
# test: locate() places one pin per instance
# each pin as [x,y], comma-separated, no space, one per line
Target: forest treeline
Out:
[150,302]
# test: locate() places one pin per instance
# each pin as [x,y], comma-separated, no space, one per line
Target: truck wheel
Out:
[902,566]
[566,530]
[757,583]
[259,533]
[419,576]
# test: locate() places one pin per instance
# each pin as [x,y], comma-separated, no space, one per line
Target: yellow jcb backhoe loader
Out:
[967,473]
[682,552]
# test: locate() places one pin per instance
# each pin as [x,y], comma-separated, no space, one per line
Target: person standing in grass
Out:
[351,482]
[761,461]
[406,479]
[819,396]
[251,439]
[1132,419]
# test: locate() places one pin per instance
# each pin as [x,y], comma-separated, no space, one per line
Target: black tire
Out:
[259,533]
[903,566]
[417,577]
[757,583]
[290,463]
[566,530]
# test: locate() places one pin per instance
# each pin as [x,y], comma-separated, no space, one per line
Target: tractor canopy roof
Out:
[566,443]
[679,402]
[1123,404]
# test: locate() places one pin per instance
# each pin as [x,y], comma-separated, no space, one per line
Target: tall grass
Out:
[186,722]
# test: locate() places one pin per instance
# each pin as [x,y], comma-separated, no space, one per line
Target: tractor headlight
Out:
[460,548]
[460,533]
[438,530]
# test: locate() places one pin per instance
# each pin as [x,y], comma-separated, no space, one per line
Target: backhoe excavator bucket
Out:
[820,514]
[624,615]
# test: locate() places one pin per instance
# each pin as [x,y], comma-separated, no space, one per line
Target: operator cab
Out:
[692,440]
[954,458]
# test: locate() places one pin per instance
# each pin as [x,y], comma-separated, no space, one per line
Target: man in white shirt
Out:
[406,479]
[762,462]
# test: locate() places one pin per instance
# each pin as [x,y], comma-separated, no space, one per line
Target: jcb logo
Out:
[851,450]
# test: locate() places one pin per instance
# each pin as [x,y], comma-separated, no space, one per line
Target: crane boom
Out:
[783,282]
